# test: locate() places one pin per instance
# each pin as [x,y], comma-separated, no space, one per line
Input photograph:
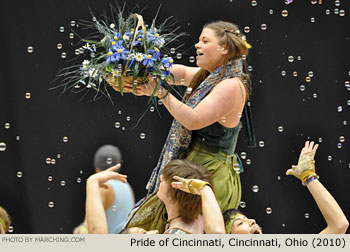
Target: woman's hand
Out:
[103,176]
[148,88]
[193,186]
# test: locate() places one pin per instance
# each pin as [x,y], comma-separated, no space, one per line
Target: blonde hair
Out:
[228,35]
[6,219]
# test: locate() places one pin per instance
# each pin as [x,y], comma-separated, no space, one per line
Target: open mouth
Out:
[257,230]
[199,54]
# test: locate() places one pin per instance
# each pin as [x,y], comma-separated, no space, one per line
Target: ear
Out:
[224,50]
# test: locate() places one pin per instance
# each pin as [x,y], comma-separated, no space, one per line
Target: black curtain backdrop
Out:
[33,128]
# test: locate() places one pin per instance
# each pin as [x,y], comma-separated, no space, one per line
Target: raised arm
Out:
[95,212]
[213,220]
[331,211]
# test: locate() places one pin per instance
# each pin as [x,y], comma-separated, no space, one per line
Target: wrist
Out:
[309,179]
[162,93]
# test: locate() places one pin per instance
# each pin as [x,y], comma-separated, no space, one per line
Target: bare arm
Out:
[331,211]
[183,74]
[213,220]
[95,212]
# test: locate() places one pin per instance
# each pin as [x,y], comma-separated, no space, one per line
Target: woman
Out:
[182,209]
[206,127]
[238,223]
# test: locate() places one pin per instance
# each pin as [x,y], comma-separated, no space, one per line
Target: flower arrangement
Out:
[122,49]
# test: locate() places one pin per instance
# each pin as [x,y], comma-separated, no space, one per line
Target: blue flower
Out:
[116,53]
[149,59]
[167,62]
[166,73]
[155,51]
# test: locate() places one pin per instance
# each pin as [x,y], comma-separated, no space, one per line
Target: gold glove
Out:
[305,168]
[194,186]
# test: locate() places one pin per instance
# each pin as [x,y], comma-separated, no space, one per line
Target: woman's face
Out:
[163,189]
[210,54]
[243,225]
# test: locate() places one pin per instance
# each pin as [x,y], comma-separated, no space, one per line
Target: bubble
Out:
[49,178]
[128,118]
[10,229]
[114,208]
[2,146]
[339,145]
[182,81]
[320,140]
[302,88]
[290,58]
[109,160]
[123,128]
[328,12]
[63,55]
[261,144]
[284,13]
[63,183]
[244,57]
[313,1]
[246,29]
[18,138]
[250,68]
[78,180]
[59,46]
[7,125]
[172,50]
[142,136]
[191,59]
[342,139]
[72,23]
[283,225]
[307,215]
[117,125]
[248,161]
[19,174]
[242,204]
[348,102]
[236,168]
[270,12]
[61,29]
[223,119]
[263,27]
[30,49]
[65,139]
[329,158]
[280,128]
[51,204]
[307,79]
[288,1]
[337,2]
[255,188]
[254,3]
[188,90]
[347,84]
[314,95]
[243,155]
[283,73]
[268,210]
[94,19]
[239,115]
[71,35]
[160,102]
[53,161]
[76,51]
[336,11]
[112,26]
[342,13]
[340,109]
[278,177]
[311,74]
[295,74]
[48,160]
[312,20]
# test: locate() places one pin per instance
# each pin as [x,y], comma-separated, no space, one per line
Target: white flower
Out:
[115,72]
[126,37]
[93,73]
[86,64]
[160,42]
[139,57]
[87,46]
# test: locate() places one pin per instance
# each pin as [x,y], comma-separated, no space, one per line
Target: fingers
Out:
[176,185]
[121,177]
[114,167]
[178,178]
[152,232]
[289,172]
[315,148]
